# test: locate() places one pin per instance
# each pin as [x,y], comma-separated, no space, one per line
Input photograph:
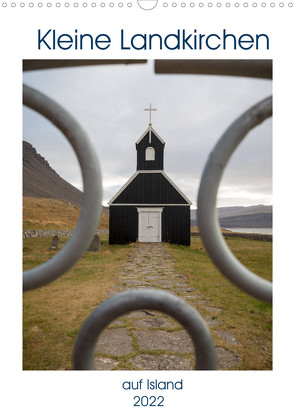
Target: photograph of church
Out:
[149,241]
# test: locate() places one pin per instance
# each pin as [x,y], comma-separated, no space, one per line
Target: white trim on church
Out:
[146,131]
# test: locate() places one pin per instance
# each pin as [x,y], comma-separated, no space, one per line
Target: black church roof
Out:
[151,187]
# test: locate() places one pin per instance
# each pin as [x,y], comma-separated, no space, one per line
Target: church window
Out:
[150,153]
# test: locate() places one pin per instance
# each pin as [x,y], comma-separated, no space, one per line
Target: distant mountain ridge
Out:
[40,180]
[256,216]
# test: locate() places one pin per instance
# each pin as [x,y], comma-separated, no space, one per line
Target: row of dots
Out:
[129,4]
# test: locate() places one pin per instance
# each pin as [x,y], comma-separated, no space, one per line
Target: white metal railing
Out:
[209,227]
[92,197]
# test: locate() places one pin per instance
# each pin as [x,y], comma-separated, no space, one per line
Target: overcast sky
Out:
[192,113]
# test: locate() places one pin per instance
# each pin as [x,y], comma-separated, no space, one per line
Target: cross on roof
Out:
[150,109]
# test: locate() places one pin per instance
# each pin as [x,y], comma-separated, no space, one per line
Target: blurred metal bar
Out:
[37,64]
[211,235]
[256,68]
[92,196]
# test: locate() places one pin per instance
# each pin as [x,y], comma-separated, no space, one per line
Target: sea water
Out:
[264,231]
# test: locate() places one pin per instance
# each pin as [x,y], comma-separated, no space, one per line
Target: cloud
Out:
[192,113]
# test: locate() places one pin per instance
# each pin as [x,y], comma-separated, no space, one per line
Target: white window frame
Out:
[150,154]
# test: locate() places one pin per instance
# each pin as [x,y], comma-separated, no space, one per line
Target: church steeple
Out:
[150,148]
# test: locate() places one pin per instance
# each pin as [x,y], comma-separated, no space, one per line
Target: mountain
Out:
[257,216]
[40,180]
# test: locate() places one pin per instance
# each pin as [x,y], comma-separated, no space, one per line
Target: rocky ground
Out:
[149,340]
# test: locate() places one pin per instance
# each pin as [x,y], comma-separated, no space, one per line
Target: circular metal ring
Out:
[209,228]
[151,299]
[92,197]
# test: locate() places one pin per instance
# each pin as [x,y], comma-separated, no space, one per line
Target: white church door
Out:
[149,224]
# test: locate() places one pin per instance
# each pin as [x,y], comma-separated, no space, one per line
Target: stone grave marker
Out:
[54,243]
[95,244]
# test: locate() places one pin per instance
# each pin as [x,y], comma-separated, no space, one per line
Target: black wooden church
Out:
[149,207]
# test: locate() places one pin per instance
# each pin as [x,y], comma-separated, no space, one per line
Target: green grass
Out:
[53,314]
[248,319]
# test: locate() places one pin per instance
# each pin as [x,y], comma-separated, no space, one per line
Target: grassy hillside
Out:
[40,180]
[43,213]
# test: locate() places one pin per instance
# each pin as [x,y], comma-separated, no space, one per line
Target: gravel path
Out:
[149,340]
